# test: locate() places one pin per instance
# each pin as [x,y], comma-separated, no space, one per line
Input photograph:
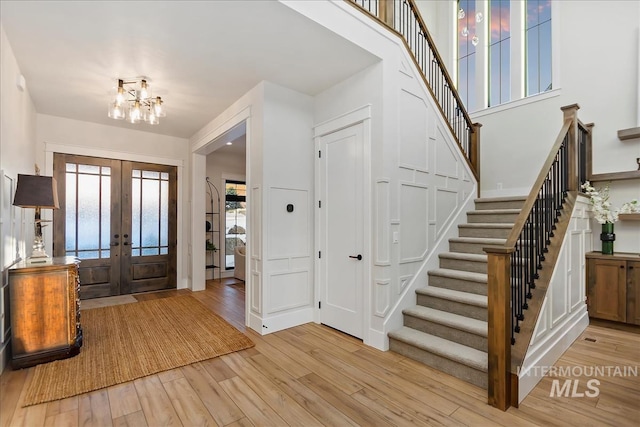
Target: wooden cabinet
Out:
[633,292]
[613,287]
[45,312]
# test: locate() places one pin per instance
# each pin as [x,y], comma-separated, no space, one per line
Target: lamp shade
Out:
[36,191]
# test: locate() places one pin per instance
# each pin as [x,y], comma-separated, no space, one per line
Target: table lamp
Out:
[38,192]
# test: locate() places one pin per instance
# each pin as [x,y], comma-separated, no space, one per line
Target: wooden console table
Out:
[45,311]
[613,286]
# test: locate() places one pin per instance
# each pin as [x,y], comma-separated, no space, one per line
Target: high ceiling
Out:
[201,56]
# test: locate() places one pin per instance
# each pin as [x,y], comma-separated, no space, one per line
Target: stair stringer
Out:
[554,330]
[394,319]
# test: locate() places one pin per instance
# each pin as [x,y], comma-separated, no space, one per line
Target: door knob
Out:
[126,243]
[115,244]
[358,257]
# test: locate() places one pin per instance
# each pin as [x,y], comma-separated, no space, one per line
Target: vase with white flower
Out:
[604,213]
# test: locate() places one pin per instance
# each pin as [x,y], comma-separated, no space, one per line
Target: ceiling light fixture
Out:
[132,100]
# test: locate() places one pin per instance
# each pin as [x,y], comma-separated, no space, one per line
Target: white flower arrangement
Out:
[601,207]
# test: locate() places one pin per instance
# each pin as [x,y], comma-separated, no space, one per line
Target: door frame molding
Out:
[342,121]
[50,148]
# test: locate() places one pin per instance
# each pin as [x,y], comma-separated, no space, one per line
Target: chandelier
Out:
[132,100]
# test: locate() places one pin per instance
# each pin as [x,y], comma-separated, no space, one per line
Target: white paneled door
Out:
[341,229]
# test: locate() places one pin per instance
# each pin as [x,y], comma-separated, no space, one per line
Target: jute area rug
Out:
[125,342]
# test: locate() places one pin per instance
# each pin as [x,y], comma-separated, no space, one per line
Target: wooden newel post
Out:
[571,112]
[474,150]
[499,319]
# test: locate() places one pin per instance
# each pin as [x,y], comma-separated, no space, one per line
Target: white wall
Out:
[279,284]
[61,135]
[420,183]
[596,55]
[563,315]
[17,155]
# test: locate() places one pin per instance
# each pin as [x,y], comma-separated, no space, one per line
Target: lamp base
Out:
[32,260]
[39,256]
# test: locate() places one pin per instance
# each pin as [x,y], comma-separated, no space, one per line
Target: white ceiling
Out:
[201,56]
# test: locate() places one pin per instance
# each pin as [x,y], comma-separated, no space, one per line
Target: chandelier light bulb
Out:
[151,118]
[121,95]
[475,40]
[479,17]
[131,99]
[144,90]
[116,111]
[135,113]
[465,32]
[461,13]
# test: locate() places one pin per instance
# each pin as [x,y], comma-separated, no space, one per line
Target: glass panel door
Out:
[119,219]
[88,222]
[235,219]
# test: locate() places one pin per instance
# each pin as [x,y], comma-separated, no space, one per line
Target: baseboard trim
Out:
[4,355]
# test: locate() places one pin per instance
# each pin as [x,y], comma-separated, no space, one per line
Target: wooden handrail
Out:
[432,45]
[526,239]
[466,136]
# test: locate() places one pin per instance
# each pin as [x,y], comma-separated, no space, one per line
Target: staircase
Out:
[447,329]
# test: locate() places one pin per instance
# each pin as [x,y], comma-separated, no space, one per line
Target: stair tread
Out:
[452,320]
[500,199]
[459,274]
[487,225]
[453,295]
[463,256]
[451,350]
[494,211]
[488,240]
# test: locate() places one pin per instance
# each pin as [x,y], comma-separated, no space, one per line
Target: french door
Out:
[119,218]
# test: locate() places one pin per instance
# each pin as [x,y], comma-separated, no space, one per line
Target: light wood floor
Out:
[313,375]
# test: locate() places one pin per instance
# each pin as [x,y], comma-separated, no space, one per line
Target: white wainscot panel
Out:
[256,293]
[413,222]
[422,178]
[446,163]
[383,222]
[289,290]
[446,203]
[413,131]
[403,281]
[404,69]
[542,327]
[288,231]
[559,287]
[382,298]
[576,298]
[256,222]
